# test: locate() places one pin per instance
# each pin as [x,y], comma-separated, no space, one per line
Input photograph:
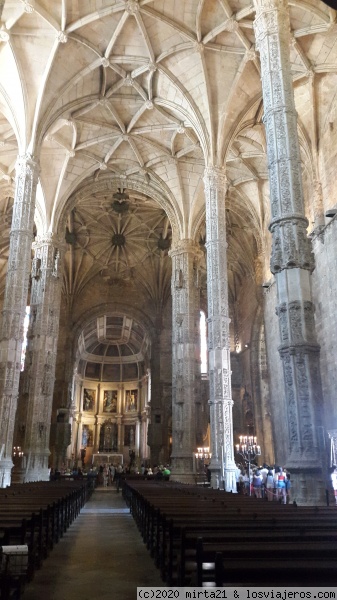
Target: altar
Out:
[106,458]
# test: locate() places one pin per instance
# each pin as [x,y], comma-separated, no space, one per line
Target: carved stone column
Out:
[14,307]
[185,362]
[292,258]
[41,356]
[62,442]
[120,442]
[76,421]
[155,429]
[332,433]
[222,464]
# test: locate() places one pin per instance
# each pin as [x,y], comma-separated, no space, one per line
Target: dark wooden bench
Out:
[173,519]
[36,515]
[204,566]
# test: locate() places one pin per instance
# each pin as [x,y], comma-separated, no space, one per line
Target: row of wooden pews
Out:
[35,516]
[204,537]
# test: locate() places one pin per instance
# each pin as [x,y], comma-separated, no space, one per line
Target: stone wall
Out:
[277,401]
[324,282]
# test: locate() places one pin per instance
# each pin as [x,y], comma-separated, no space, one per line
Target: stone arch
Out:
[110,184]
[111,309]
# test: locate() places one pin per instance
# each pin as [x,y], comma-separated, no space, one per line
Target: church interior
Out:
[168,250]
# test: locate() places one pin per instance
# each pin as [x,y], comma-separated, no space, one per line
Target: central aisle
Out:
[101,556]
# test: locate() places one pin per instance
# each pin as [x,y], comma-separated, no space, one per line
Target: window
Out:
[24,343]
[203,344]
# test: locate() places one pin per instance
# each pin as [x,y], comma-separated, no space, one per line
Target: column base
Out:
[37,467]
[230,480]
[19,470]
[182,469]
[308,486]
[6,466]
[223,479]
[41,474]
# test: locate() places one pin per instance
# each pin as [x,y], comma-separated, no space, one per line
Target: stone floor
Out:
[101,556]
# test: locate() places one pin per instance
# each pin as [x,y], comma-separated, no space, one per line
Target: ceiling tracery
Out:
[153,90]
[120,237]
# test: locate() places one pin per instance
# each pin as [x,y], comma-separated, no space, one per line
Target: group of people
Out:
[112,474]
[158,471]
[270,483]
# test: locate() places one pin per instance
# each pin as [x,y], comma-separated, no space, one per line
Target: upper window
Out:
[203,343]
[24,343]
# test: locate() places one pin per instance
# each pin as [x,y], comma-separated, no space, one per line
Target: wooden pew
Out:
[37,514]
[173,518]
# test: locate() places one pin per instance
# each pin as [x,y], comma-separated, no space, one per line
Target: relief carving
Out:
[291,403]
[309,321]
[295,322]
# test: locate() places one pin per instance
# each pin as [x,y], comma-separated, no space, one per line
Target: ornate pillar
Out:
[155,429]
[333,447]
[41,358]
[120,442]
[292,258]
[222,464]
[14,307]
[76,420]
[185,362]
[62,442]
[96,436]
[76,415]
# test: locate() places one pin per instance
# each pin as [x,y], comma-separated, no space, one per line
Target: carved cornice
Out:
[291,249]
[298,349]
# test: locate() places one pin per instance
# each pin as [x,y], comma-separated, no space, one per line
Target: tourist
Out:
[288,486]
[257,483]
[281,486]
[270,485]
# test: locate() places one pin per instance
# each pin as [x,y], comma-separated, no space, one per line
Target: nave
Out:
[100,556]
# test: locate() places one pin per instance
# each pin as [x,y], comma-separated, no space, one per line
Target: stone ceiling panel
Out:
[180,79]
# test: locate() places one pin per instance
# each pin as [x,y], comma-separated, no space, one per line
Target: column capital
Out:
[266,5]
[27,160]
[49,239]
[215,178]
[268,14]
[186,246]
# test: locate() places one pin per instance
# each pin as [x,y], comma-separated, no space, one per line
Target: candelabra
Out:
[201,456]
[17,453]
[249,450]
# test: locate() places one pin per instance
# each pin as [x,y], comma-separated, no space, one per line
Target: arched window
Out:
[24,343]
[203,344]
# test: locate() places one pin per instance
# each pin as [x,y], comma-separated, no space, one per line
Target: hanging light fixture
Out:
[120,204]
[120,195]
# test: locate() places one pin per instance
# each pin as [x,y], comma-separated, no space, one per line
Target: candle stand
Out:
[248,450]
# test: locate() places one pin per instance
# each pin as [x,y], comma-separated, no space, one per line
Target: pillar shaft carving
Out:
[14,307]
[41,353]
[332,433]
[222,463]
[155,431]
[186,256]
[318,205]
[291,246]
[292,259]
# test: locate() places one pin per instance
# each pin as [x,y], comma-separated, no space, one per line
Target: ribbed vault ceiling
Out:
[152,90]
